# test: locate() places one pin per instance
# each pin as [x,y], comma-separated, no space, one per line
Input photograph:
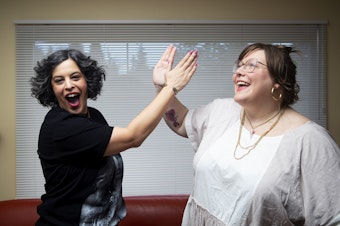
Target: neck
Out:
[260,120]
[258,114]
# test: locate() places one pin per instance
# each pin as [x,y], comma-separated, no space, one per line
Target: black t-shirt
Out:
[82,186]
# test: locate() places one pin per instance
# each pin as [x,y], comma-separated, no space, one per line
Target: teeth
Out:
[72,95]
[242,83]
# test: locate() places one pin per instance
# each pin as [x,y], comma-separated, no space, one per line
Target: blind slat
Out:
[163,164]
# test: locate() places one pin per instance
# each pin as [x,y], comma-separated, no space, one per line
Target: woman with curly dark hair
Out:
[257,160]
[78,150]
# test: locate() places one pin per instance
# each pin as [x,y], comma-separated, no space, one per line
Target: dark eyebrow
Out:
[57,76]
[73,73]
[77,72]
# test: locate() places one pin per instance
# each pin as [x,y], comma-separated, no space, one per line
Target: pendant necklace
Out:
[251,147]
[252,130]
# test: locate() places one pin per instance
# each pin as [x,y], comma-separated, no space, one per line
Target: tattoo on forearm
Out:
[171,116]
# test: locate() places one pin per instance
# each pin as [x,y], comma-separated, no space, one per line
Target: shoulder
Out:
[311,130]
[225,109]
[96,115]
[225,102]
[225,106]
[311,138]
[56,114]
[316,133]
[218,112]
[58,117]
[290,122]
[93,110]
[216,107]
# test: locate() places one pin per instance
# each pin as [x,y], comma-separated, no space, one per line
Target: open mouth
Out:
[73,99]
[242,83]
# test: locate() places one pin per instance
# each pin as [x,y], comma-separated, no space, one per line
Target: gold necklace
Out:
[251,147]
[252,131]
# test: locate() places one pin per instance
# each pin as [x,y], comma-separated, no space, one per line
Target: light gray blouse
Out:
[300,184]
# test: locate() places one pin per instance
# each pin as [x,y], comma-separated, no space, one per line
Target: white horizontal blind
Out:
[163,164]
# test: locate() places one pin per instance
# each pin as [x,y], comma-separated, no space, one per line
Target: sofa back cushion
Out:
[162,210]
[19,212]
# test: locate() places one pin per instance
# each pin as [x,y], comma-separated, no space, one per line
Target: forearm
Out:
[141,126]
[175,115]
[145,122]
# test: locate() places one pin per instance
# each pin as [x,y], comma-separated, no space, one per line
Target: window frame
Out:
[155,172]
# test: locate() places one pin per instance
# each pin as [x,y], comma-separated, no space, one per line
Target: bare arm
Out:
[176,112]
[174,117]
[143,124]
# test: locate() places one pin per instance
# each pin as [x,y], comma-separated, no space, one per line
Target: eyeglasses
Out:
[248,66]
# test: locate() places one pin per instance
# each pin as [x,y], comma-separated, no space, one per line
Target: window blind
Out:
[128,52]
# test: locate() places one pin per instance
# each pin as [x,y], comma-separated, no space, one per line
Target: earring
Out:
[275,98]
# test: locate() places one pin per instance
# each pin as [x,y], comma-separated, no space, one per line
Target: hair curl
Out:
[41,82]
[281,67]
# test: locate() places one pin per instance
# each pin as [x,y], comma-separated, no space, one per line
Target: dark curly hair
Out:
[41,83]
[281,67]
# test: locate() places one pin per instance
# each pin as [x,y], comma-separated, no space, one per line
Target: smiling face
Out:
[70,87]
[253,87]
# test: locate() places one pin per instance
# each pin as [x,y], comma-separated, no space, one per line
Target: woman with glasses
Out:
[257,160]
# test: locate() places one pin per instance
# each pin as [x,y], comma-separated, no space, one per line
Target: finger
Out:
[189,72]
[188,59]
[192,67]
[171,57]
[166,53]
[184,59]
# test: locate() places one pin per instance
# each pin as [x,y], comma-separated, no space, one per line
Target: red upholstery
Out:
[160,210]
[17,212]
[154,210]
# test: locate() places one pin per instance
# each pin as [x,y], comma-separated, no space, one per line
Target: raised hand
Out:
[164,65]
[179,76]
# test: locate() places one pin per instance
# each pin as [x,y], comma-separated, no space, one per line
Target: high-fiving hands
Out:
[178,77]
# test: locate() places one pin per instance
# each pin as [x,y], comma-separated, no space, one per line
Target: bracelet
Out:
[159,87]
[173,89]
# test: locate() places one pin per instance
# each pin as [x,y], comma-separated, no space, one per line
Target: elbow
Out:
[137,143]
[138,138]
[125,138]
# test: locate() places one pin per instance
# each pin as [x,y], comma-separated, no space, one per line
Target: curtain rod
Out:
[321,21]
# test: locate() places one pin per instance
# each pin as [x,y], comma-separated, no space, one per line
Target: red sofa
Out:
[159,210]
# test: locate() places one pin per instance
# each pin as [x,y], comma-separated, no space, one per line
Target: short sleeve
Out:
[320,176]
[195,124]
[67,137]
[213,118]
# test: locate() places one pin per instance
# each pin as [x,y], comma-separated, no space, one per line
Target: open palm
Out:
[164,65]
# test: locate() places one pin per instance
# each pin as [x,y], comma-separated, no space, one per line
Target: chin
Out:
[239,100]
[236,97]
[73,110]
